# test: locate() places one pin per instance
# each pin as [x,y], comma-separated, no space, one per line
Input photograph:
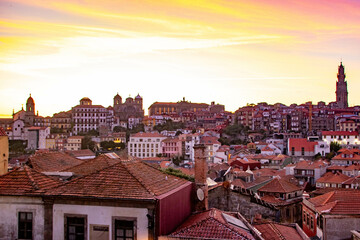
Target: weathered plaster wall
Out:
[9,208]
[98,215]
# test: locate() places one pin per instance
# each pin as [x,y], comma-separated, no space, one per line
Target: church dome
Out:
[85,101]
[138,97]
[30,100]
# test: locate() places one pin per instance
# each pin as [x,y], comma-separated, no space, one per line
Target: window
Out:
[124,229]
[75,227]
[302,151]
[292,151]
[25,225]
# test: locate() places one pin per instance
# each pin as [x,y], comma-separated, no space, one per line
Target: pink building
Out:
[172,147]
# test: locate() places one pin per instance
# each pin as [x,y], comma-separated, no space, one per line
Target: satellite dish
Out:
[200,194]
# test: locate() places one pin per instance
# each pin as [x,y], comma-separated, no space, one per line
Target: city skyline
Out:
[232,52]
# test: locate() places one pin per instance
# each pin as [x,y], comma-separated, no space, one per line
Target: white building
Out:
[341,137]
[17,131]
[88,117]
[73,143]
[190,141]
[144,145]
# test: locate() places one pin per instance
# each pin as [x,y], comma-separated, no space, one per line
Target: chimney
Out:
[200,178]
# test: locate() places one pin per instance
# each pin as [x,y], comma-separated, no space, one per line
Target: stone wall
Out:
[229,200]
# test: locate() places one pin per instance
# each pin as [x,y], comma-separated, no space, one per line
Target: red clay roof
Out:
[124,180]
[340,156]
[52,161]
[339,133]
[210,224]
[81,153]
[210,140]
[275,231]
[338,202]
[310,165]
[92,165]
[25,181]
[279,186]
[299,143]
[142,134]
[330,177]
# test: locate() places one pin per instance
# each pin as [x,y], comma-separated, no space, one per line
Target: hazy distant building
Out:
[160,108]
[132,107]
[341,88]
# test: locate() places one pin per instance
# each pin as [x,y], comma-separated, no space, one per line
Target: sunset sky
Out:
[232,52]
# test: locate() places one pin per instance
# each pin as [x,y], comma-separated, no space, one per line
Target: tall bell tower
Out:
[341,88]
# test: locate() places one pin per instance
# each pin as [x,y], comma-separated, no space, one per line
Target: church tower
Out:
[117,100]
[30,105]
[341,88]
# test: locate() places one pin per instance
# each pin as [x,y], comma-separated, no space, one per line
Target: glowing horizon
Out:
[231,52]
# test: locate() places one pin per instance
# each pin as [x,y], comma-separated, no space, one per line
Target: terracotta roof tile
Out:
[92,165]
[25,181]
[338,202]
[142,134]
[124,180]
[339,133]
[299,143]
[210,224]
[275,231]
[52,161]
[330,177]
[209,140]
[310,165]
[279,186]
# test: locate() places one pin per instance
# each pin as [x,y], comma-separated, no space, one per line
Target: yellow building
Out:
[4,152]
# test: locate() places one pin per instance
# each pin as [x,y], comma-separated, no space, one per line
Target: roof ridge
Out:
[32,180]
[133,175]
[328,198]
[84,176]
[272,226]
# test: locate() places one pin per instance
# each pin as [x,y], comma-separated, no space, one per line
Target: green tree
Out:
[17,146]
[87,143]
[317,156]
[169,125]
[178,133]
[335,147]
[177,173]
[119,129]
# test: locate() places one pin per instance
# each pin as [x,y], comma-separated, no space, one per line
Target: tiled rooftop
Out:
[124,180]
[52,161]
[338,202]
[25,181]
[279,186]
[142,134]
[330,177]
[275,231]
[210,224]
[92,165]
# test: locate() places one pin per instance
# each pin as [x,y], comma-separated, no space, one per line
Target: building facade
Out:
[88,117]
[144,145]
